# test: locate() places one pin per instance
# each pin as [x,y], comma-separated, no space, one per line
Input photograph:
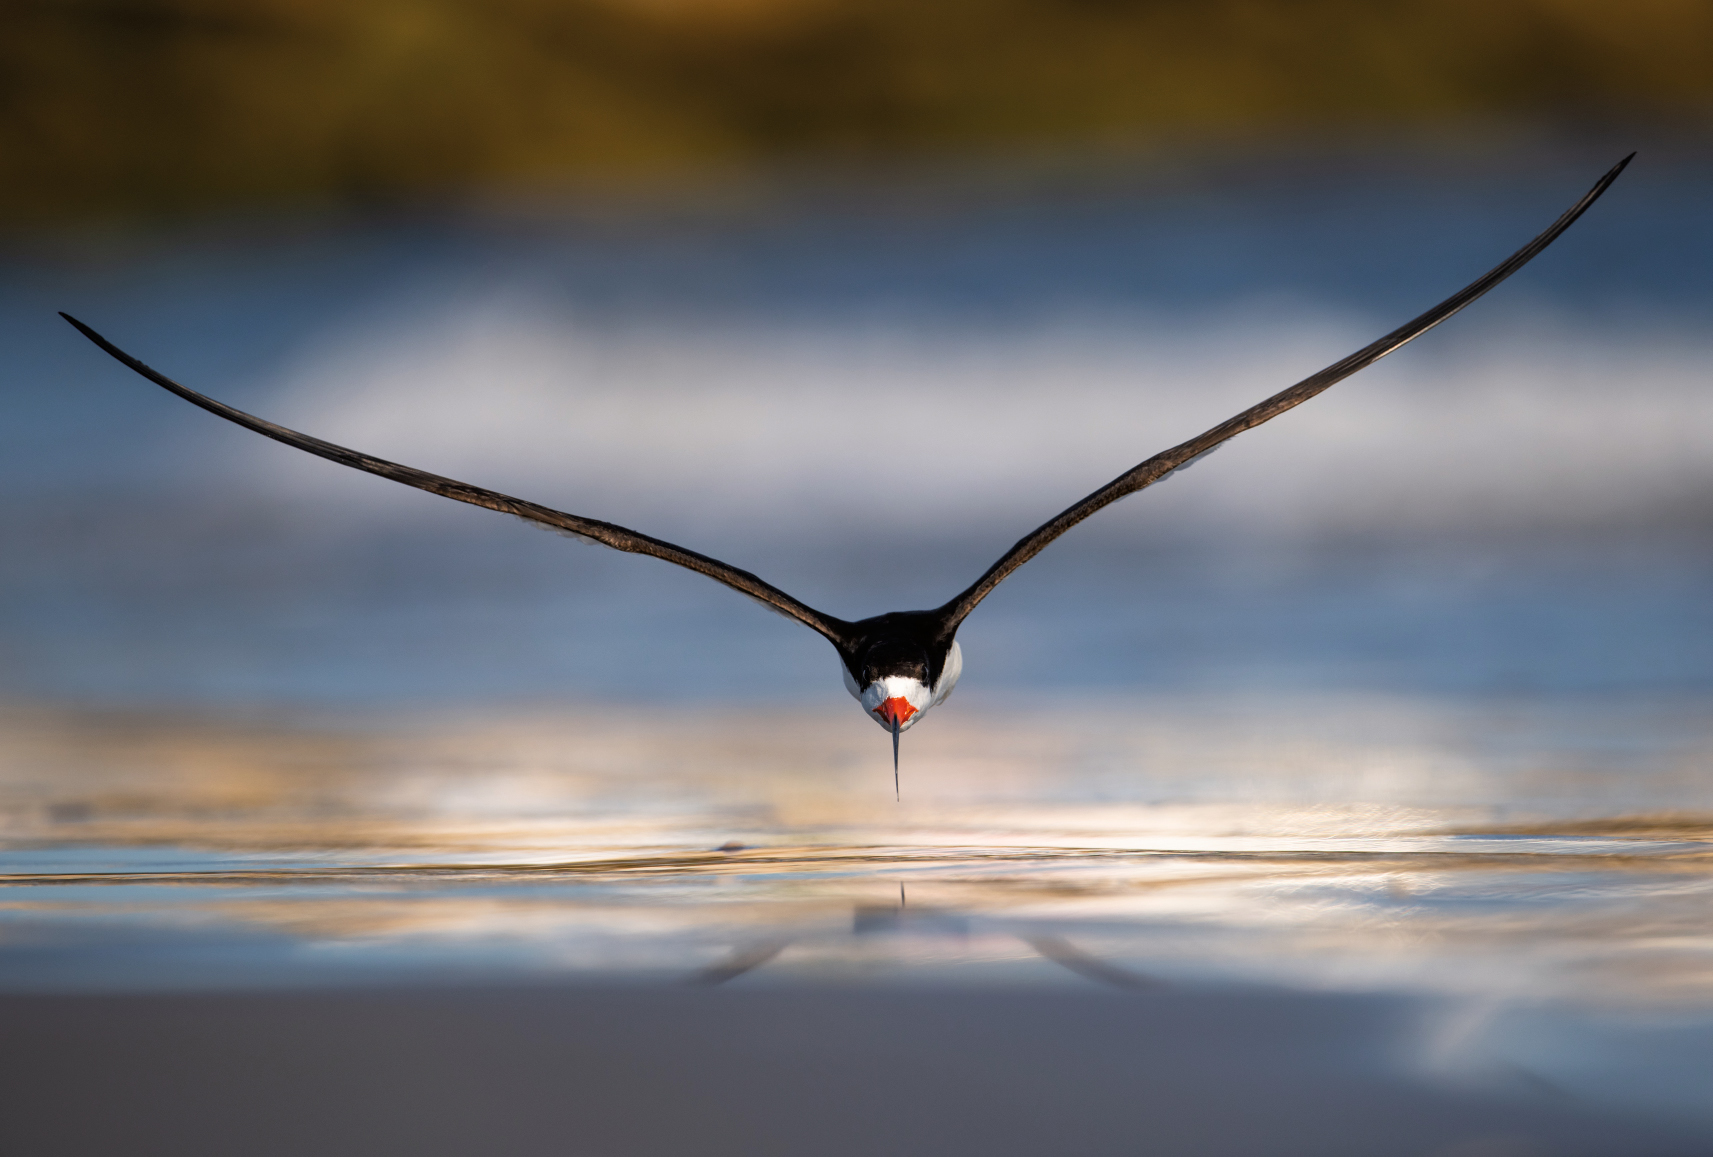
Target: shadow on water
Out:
[901,918]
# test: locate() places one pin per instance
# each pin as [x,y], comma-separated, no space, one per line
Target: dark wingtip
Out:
[132,363]
[1605,182]
[89,333]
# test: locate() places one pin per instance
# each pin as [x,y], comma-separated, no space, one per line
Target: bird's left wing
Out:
[606,533]
[1157,467]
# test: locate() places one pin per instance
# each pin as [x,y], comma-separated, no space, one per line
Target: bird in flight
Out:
[901,664]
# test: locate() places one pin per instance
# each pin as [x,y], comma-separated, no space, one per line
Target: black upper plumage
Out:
[900,641]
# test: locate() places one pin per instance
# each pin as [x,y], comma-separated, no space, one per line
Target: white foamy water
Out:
[1530,422]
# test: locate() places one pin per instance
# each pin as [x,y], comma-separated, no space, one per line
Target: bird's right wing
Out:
[1157,467]
[606,533]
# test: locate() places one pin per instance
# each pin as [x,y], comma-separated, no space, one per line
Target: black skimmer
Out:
[901,664]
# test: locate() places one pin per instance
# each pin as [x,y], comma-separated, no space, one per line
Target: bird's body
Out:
[902,664]
[898,678]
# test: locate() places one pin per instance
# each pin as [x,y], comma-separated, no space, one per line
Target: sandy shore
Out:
[622,1070]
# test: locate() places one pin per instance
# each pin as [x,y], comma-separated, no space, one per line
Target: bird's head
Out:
[892,683]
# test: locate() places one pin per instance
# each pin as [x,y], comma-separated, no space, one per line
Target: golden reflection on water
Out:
[1556,849]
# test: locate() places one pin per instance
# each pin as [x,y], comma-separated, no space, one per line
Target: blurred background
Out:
[194,106]
[1365,765]
[851,295]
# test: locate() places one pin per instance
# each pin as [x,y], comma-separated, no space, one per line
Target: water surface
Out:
[1524,850]
[1385,733]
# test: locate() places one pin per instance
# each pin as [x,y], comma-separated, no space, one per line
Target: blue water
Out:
[156,557]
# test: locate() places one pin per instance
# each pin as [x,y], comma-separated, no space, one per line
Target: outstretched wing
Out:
[606,533]
[1157,467]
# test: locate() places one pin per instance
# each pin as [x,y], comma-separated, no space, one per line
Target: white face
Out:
[915,695]
[896,697]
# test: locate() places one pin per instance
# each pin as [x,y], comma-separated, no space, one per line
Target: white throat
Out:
[919,695]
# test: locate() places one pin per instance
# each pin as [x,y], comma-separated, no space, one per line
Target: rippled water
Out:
[1533,877]
[1553,849]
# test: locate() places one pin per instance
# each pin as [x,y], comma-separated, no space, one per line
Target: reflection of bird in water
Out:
[883,920]
[901,664]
